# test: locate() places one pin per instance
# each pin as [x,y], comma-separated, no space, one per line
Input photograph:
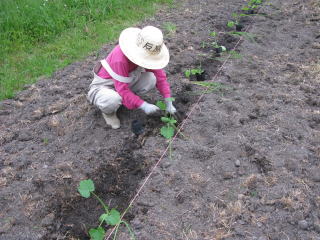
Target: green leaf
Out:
[113,217]
[165,119]
[103,217]
[231,24]
[187,73]
[213,34]
[161,105]
[97,233]
[245,9]
[193,71]
[223,48]
[172,121]
[167,132]
[86,187]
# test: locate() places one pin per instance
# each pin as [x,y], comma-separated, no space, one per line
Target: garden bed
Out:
[246,168]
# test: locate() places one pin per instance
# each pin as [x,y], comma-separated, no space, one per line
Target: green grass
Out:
[37,37]
[170,28]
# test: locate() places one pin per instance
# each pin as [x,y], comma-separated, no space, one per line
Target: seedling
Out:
[215,44]
[193,71]
[235,22]
[111,217]
[167,131]
[195,74]
[252,5]
[213,34]
[231,24]
[45,141]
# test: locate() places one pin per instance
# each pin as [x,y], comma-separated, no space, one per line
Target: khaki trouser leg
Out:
[144,84]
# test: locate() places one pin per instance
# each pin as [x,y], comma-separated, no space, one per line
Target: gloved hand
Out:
[149,108]
[170,108]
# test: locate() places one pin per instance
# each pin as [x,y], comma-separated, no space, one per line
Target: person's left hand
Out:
[170,108]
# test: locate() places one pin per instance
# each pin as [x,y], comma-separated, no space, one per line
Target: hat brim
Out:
[137,55]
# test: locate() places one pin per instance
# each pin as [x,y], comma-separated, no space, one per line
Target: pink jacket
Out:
[121,65]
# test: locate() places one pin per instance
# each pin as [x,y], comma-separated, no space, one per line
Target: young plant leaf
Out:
[103,217]
[165,119]
[85,188]
[161,105]
[187,73]
[97,233]
[167,132]
[172,121]
[113,217]
[230,24]
[213,34]
[193,71]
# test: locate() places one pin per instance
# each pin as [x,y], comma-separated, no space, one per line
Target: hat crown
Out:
[150,39]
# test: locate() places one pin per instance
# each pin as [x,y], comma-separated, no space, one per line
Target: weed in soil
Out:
[170,28]
[111,217]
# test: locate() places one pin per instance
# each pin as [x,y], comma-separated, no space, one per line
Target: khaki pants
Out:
[103,95]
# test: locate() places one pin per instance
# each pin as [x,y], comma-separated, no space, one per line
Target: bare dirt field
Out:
[246,168]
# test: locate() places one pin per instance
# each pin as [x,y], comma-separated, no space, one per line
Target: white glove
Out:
[170,108]
[149,108]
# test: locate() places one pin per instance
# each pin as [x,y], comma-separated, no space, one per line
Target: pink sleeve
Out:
[162,83]
[129,99]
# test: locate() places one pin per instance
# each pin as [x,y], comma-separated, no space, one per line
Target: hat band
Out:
[151,48]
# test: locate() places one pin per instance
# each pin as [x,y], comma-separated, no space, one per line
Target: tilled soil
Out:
[246,168]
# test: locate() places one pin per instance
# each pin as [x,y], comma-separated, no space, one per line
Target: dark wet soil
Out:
[247,168]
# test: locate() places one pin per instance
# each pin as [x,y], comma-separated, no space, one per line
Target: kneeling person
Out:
[132,67]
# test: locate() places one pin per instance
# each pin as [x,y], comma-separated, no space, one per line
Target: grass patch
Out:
[40,36]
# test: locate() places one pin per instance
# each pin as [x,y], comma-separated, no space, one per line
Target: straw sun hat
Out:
[144,47]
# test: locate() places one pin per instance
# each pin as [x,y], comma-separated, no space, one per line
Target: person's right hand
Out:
[149,108]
